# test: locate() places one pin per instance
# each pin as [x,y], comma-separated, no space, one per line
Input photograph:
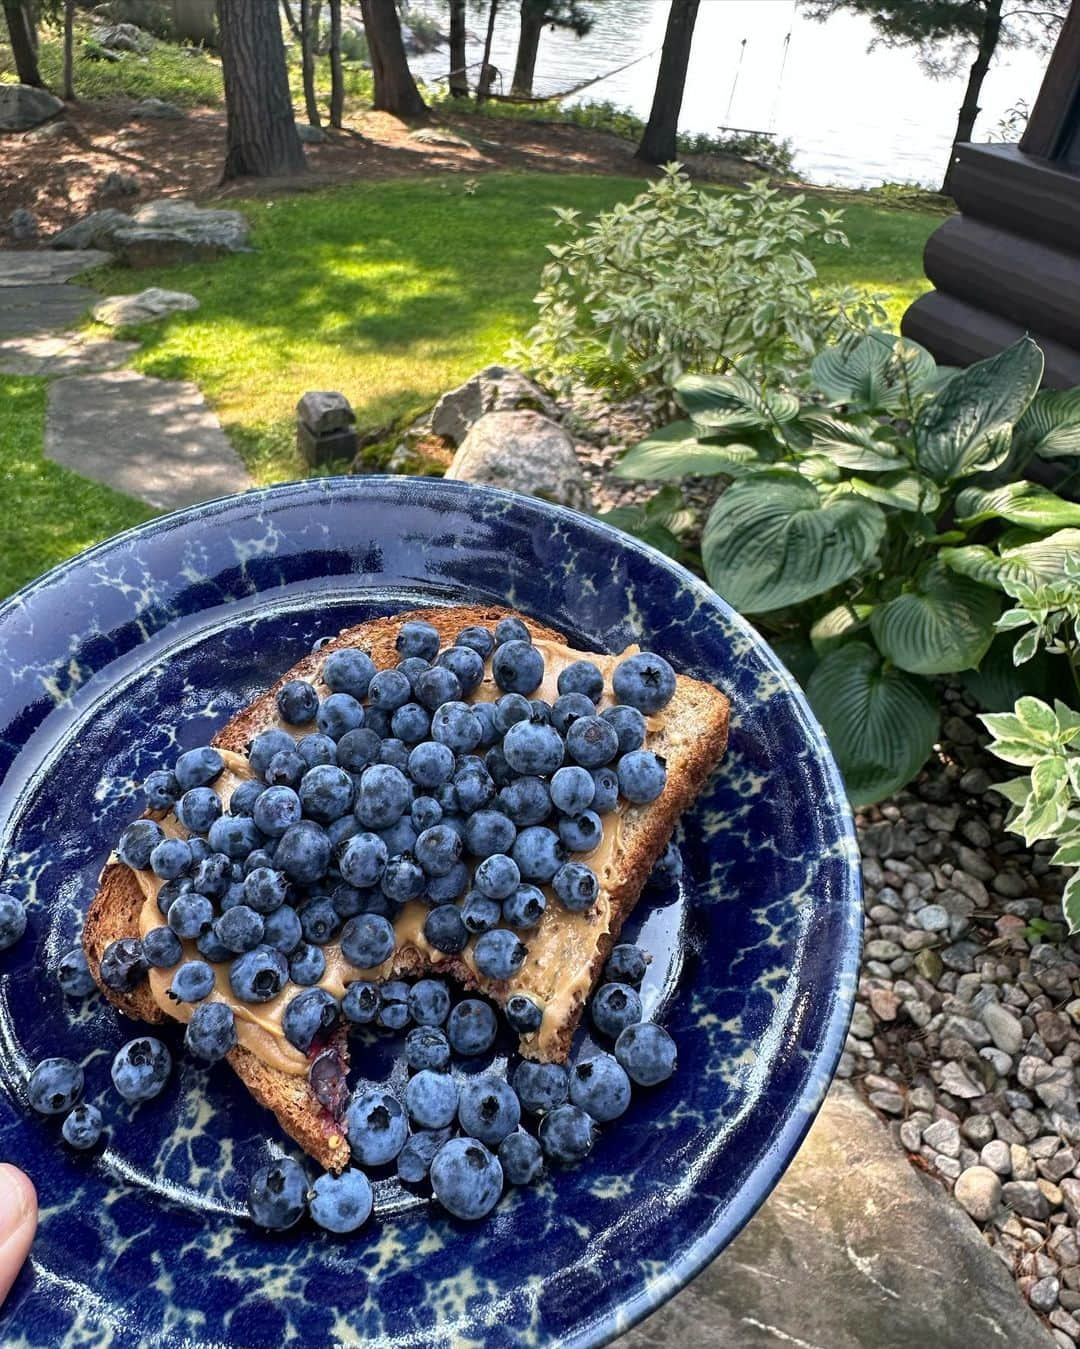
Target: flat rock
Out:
[39,266]
[27,310]
[889,1263]
[525,452]
[65,354]
[156,109]
[23,107]
[163,232]
[496,388]
[147,305]
[154,439]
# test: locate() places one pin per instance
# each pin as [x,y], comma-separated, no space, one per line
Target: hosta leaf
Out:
[797,654]
[1033,562]
[675,451]
[875,371]
[968,427]
[1051,425]
[1021,503]
[772,540]
[881,723]
[904,490]
[730,402]
[943,624]
[838,625]
[851,446]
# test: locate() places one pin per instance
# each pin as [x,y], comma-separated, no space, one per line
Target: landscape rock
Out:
[48,131]
[310,135]
[164,232]
[122,37]
[23,107]
[117,184]
[525,452]
[157,110]
[1026,1199]
[95,230]
[1005,1030]
[496,388]
[120,310]
[22,225]
[978,1191]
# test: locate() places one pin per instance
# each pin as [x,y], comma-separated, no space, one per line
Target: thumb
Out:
[18,1223]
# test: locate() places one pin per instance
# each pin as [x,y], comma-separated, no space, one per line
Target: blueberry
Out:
[285,769]
[629,726]
[521,1158]
[198,767]
[198,809]
[141,1068]
[540,711]
[477,638]
[511,709]
[417,638]
[444,889]
[276,810]
[212,876]
[431,764]
[340,831]
[54,1086]
[511,630]
[402,880]
[234,835]
[211,948]
[429,1002]
[277,1194]
[479,913]
[264,890]
[435,687]
[600,1086]
[447,797]
[466,665]
[138,841]
[303,853]
[488,1109]
[239,929]
[488,832]
[533,748]
[457,726]
[73,973]
[341,1204]
[582,676]
[466,1178]
[170,890]
[518,667]
[568,708]
[310,1016]
[437,850]
[317,749]
[307,964]
[524,1015]
[297,702]
[668,868]
[326,792]
[282,930]
[171,858]
[319,920]
[363,860]
[265,746]
[473,784]
[526,801]
[360,1004]
[642,776]
[259,975]
[412,667]
[415,1158]
[367,940]
[385,795]
[471,1027]
[592,742]
[339,714]
[424,813]
[200,851]
[193,981]
[581,833]
[567,1134]
[576,886]
[525,907]
[445,930]
[162,789]
[189,915]
[606,783]
[123,965]
[245,794]
[390,689]
[647,1052]
[161,948]
[82,1128]
[348,901]
[499,954]
[431,1099]
[644,681]
[626,965]
[211,1032]
[499,770]
[357,749]
[539,853]
[427,1047]
[489,733]
[400,837]
[376,1127]
[497,876]
[348,670]
[572,790]
[541,1087]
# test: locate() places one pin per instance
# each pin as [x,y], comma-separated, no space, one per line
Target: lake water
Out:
[855,117]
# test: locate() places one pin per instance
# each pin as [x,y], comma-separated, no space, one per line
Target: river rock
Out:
[978,1190]
[1026,1199]
[496,388]
[525,452]
[22,106]
[165,232]
[1005,1030]
[119,310]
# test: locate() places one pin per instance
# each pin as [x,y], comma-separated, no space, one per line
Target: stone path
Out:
[855,1249]
[156,440]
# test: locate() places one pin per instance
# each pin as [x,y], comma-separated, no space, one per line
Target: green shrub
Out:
[684,280]
[874,525]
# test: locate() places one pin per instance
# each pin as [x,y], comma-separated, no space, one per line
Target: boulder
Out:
[310,135]
[525,452]
[22,225]
[22,106]
[117,184]
[156,109]
[122,37]
[92,231]
[120,310]
[497,388]
[163,232]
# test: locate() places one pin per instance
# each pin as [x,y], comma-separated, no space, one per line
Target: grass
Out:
[49,513]
[392,292]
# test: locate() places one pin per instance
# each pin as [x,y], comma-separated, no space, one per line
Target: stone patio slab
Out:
[65,354]
[154,439]
[42,309]
[855,1249]
[42,267]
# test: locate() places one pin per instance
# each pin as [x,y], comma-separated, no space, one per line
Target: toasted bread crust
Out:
[692,739]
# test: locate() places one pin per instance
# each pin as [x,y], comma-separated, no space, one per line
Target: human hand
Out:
[18,1223]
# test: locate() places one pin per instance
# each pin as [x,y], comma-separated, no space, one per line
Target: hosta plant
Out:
[868,528]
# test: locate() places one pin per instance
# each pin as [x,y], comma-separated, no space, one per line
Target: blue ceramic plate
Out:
[152,641]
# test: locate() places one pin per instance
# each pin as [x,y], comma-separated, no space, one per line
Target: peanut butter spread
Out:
[556,972]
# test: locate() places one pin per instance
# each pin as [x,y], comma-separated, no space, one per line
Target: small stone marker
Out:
[325,428]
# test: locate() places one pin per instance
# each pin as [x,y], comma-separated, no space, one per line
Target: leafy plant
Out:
[869,528]
[1046,801]
[1049,615]
[683,280]
[659,522]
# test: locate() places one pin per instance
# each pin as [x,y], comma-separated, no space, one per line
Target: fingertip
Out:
[18,1222]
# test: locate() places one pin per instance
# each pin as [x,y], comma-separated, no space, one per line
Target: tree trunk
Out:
[487,70]
[337,85]
[395,88]
[22,44]
[969,109]
[658,144]
[533,14]
[458,80]
[69,50]
[290,19]
[308,38]
[261,140]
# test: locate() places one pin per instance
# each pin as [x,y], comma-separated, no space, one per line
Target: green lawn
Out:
[391,292]
[49,513]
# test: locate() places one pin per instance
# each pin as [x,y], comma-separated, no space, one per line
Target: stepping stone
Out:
[854,1249]
[44,267]
[66,354]
[25,310]
[154,439]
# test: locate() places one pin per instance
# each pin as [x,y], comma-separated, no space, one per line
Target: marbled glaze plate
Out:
[148,643]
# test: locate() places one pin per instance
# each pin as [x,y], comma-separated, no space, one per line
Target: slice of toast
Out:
[690,734]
